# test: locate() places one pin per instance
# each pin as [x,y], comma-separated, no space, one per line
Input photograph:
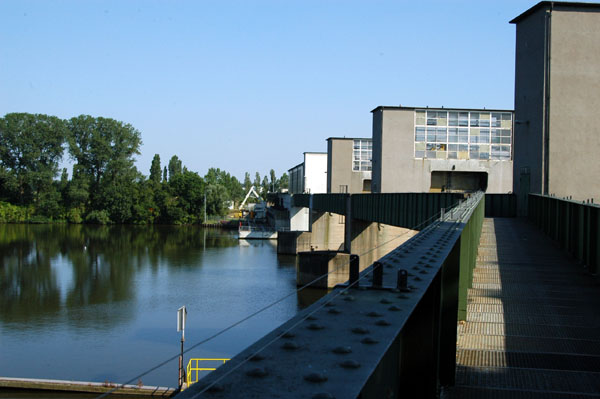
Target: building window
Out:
[362,155]
[463,135]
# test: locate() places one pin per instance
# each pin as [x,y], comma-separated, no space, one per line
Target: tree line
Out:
[105,186]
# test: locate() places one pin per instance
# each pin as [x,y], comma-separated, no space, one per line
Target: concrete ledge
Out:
[292,242]
[313,264]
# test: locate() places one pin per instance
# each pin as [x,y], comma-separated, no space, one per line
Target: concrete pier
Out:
[333,265]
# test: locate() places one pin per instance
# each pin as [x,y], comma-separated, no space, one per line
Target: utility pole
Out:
[205,207]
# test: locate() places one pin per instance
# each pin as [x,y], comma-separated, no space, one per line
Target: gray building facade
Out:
[349,165]
[442,150]
[557,98]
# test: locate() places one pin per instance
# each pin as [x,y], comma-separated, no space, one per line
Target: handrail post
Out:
[354,271]
[377,274]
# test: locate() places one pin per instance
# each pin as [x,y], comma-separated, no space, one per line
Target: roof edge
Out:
[387,107]
[348,138]
[552,5]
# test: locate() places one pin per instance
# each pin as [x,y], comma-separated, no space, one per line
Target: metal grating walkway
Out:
[533,321]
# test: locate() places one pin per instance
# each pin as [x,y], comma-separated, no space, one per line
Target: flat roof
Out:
[388,107]
[564,5]
[348,138]
[297,166]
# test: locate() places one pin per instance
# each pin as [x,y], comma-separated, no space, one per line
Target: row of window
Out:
[362,154]
[462,151]
[463,118]
[463,135]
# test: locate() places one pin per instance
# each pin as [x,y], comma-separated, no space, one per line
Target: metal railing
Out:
[389,332]
[574,225]
[193,370]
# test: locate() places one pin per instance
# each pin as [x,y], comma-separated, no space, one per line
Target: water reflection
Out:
[48,268]
[69,294]
[28,285]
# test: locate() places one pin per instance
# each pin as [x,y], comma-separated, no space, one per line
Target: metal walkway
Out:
[533,321]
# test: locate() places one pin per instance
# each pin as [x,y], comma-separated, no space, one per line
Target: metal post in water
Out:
[181,316]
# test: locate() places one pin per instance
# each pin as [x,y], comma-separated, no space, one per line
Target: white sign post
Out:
[181,316]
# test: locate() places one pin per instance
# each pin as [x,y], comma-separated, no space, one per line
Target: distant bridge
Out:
[531,311]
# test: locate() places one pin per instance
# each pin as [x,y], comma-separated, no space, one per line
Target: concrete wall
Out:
[377,151]
[339,167]
[292,242]
[299,219]
[529,106]
[557,95]
[314,264]
[574,134]
[372,241]
[322,231]
[327,231]
[395,168]
[315,172]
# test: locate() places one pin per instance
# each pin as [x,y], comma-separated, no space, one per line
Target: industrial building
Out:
[349,165]
[557,98]
[310,176]
[442,150]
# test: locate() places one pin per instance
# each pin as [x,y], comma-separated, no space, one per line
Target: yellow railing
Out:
[193,369]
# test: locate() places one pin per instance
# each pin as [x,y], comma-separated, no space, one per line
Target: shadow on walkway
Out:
[533,322]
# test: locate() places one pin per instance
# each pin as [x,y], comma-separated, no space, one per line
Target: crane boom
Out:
[252,190]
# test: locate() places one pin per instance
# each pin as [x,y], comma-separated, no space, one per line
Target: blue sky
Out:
[251,85]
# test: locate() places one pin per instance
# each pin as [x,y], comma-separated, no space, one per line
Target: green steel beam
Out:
[573,225]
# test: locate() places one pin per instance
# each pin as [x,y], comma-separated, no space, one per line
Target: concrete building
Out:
[349,165]
[557,98]
[439,149]
[310,176]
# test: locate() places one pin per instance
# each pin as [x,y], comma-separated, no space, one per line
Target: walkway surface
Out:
[533,323]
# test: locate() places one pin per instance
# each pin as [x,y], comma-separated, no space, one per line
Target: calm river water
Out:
[99,303]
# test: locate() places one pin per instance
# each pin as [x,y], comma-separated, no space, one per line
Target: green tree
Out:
[155,169]
[274,183]
[31,145]
[165,178]
[247,182]
[257,180]
[76,195]
[145,209]
[103,149]
[187,195]
[174,167]
[284,182]
[236,191]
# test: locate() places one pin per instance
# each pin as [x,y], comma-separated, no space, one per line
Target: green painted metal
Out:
[573,225]
[301,200]
[335,203]
[419,209]
[469,244]
[500,205]
[402,209]
[396,209]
